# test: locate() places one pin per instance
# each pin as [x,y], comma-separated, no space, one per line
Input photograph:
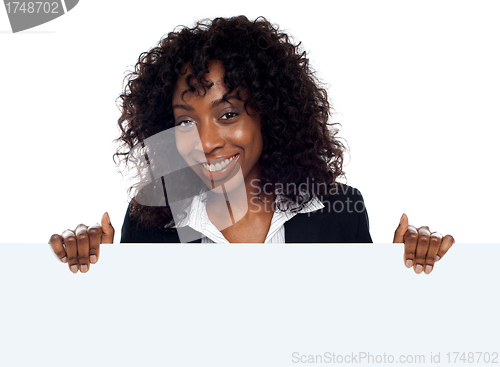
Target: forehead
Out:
[214,77]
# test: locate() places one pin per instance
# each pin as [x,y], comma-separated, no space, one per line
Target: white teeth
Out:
[218,166]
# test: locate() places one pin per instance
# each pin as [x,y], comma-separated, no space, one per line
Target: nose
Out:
[210,137]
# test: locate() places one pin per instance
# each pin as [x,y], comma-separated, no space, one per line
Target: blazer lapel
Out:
[188,234]
[303,228]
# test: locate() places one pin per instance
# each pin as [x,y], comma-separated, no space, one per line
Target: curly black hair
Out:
[299,143]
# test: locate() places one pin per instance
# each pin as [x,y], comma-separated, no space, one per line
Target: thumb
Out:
[399,234]
[108,232]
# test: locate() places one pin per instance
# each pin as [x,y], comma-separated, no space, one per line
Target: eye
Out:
[185,124]
[229,115]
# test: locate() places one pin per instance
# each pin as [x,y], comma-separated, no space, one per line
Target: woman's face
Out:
[216,137]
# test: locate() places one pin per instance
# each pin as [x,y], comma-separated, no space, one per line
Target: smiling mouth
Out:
[219,166]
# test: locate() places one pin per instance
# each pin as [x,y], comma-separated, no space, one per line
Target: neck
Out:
[245,201]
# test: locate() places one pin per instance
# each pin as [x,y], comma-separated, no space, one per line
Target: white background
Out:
[417,86]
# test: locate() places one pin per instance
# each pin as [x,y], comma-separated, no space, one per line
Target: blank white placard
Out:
[243,305]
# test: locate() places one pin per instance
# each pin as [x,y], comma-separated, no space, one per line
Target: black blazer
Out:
[343,220]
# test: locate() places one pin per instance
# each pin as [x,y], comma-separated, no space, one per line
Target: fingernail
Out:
[418,268]
[64,259]
[438,257]
[409,263]
[93,259]
[107,216]
[428,269]
[84,268]
[74,268]
[401,220]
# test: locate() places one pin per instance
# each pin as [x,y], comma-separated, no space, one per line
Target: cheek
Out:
[253,145]
[185,142]
[257,141]
[257,146]
[250,140]
[260,142]
[181,147]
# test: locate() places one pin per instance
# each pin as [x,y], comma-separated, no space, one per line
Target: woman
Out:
[228,129]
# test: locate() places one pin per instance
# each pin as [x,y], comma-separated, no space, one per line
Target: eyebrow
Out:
[215,103]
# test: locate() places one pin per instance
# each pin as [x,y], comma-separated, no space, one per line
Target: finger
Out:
[430,259]
[401,230]
[56,242]
[82,245]
[410,240]
[69,240]
[424,236]
[108,232]
[94,233]
[446,244]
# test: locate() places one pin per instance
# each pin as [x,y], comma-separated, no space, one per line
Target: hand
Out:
[422,247]
[81,246]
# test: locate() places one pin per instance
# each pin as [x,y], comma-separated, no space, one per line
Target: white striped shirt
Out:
[198,220]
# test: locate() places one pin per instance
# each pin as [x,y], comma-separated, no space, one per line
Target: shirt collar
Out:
[197,216]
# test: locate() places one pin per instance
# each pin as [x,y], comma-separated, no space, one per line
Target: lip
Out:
[216,160]
[223,173]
